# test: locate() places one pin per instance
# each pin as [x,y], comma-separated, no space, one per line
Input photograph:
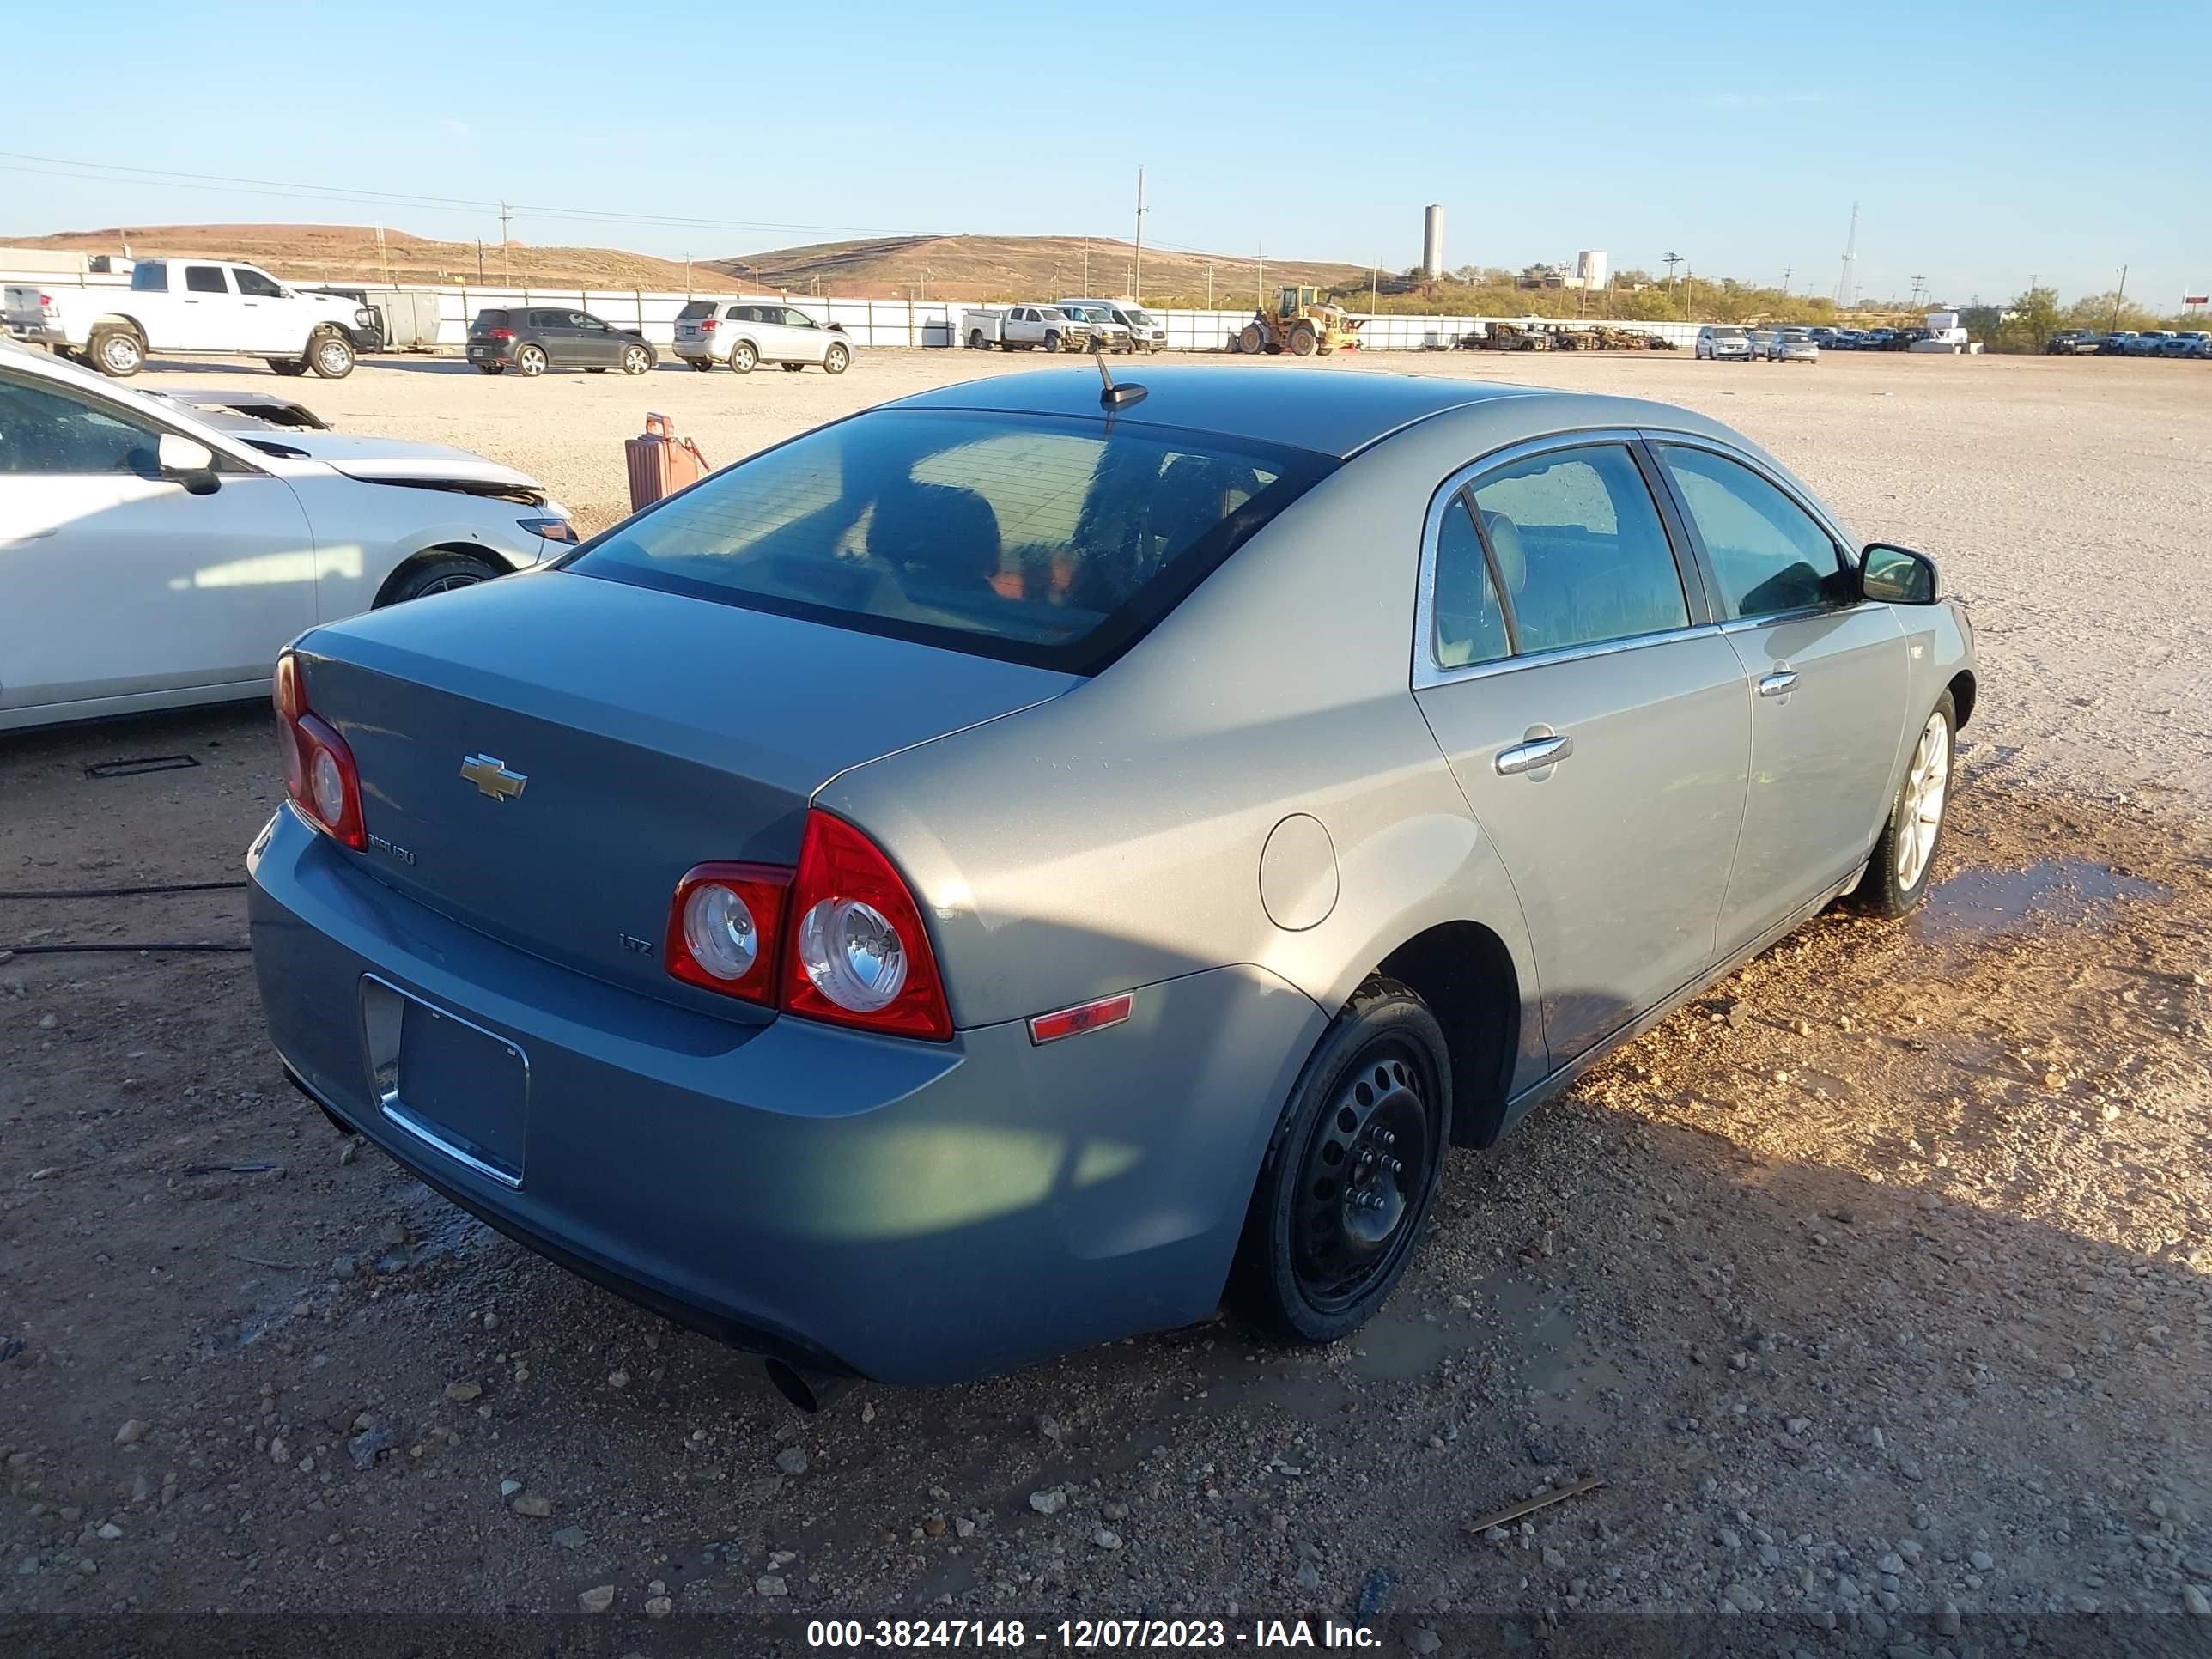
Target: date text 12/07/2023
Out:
[1089,1635]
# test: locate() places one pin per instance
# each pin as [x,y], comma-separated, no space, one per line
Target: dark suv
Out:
[531,339]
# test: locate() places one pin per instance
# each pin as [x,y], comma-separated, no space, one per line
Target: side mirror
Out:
[188,461]
[1897,575]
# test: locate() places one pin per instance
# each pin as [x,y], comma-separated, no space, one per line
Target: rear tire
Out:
[1897,875]
[977,342]
[1351,1173]
[702,364]
[289,368]
[440,573]
[531,361]
[742,357]
[117,352]
[331,355]
[491,369]
[791,368]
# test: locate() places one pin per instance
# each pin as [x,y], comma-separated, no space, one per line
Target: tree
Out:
[2034,316]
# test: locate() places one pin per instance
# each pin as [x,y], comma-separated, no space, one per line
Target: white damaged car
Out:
[158,550]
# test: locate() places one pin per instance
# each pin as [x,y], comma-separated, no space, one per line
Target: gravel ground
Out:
[1873,1288]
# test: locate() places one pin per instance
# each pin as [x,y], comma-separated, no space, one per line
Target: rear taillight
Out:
[709,326]
[46,302]
[726,929]
[319,774]
[840,938]
[499,334]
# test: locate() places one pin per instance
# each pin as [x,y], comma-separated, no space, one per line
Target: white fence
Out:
[881,323]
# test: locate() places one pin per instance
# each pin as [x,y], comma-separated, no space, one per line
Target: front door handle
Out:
[1777,685]
[1527,757]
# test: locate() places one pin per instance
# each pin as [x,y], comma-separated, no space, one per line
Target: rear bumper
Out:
[920,1214]
[36,333]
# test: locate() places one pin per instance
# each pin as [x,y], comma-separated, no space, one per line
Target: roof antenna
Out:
[1111,395]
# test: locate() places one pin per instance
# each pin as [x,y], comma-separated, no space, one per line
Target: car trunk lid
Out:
[542,758]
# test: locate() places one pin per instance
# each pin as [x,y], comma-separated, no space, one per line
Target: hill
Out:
[348,253]
[888,267]
[1019,267]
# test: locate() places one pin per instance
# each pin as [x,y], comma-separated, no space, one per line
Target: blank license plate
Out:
[463,1088]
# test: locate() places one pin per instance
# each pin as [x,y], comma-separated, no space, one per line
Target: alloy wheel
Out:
[1926,786]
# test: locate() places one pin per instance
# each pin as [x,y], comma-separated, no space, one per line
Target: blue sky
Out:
[1984,144]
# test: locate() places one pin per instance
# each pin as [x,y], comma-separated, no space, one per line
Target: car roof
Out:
[1329,413]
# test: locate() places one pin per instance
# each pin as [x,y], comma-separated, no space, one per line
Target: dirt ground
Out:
[1874,1287]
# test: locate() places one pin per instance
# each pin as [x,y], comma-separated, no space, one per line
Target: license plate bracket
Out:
[446,1080]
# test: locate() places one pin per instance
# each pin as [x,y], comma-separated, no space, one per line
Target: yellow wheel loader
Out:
[1302,324]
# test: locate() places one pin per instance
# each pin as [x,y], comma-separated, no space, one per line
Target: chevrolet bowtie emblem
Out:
[489,775]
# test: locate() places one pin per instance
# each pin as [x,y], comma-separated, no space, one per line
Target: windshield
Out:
[1728,334]
[1056,543]
[1140,319]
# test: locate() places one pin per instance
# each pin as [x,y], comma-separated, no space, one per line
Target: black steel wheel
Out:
[1351,1172]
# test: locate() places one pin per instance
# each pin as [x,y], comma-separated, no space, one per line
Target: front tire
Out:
[1896,877]
[702,364]
[1352,1171]
[836,360]
[440,573]
[636,359]
[1304,342]
[1253,339]
[1052,343]
[331,355]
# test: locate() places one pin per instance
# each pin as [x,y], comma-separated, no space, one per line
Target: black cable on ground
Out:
[127,892]
[79,950]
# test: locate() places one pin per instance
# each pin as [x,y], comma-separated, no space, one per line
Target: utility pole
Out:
[1136,280]
[479,262]
[1670,259]
[2119,294]
[1846,293]
[1086,267]
[1260,294]
[1209,284]
[1916,281]
[1375,286]
[506,261]
[1786,271]
[687,273]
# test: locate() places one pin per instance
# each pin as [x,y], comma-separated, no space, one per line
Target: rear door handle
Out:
[1527,757]
[1777,685]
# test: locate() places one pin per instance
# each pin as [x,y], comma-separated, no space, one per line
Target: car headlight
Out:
[553,529]
[364,317]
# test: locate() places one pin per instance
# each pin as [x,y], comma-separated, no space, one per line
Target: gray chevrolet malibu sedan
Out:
[1009,869]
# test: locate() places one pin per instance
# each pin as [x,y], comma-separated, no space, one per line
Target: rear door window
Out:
[1056,543]
[150,279]
[205,279]
[1579,547]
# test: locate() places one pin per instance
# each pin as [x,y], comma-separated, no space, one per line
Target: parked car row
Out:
[1067,325]
[2128,343]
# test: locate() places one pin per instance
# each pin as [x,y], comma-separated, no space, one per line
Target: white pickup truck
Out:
[196,306]
[1024,328]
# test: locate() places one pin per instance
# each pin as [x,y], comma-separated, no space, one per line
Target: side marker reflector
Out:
[1086,1017]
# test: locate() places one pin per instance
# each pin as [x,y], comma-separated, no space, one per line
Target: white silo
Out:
[1432,241]
[1589,265]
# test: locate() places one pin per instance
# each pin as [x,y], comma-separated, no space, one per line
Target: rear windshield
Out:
[1053,541]
[491,320]
[694,310]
